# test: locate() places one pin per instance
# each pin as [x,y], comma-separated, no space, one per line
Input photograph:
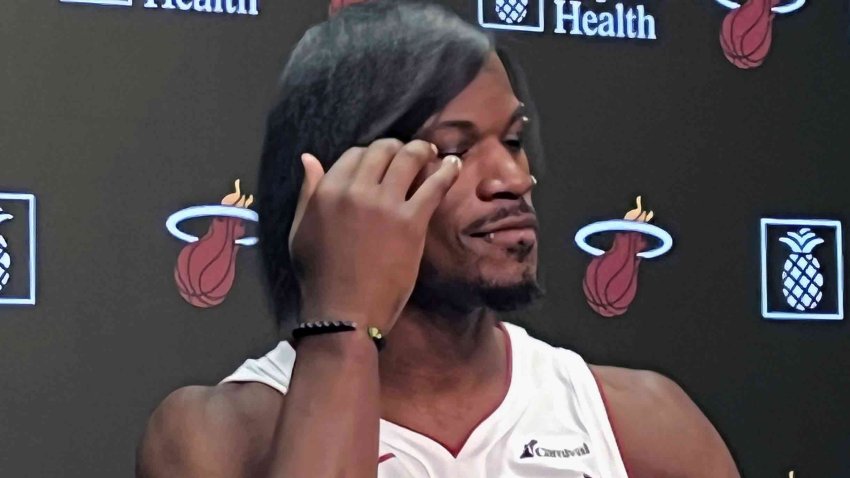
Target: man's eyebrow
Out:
[469,126]
[518,113]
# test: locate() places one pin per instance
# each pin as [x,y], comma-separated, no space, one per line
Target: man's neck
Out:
[433,357]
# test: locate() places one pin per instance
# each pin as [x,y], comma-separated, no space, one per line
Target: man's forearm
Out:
[329,422]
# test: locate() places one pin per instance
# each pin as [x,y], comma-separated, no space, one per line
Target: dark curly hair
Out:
[373,70]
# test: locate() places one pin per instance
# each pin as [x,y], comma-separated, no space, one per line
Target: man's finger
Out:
[313,173]
[426,199]
[342,172]
[373,164]
[406,165]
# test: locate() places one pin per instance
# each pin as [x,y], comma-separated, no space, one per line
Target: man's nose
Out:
[504,176]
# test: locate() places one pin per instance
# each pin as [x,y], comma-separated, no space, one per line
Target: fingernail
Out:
[453,159]
[434,148]
[533,180]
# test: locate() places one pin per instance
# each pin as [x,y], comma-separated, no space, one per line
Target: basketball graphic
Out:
[746,34]
[747,31]
[611,279]
[610,282]
[206,267]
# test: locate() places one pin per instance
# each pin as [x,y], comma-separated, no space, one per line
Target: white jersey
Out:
[552,422]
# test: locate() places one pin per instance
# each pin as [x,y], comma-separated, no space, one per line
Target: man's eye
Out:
[514,144]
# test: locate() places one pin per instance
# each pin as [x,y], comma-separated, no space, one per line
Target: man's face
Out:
[481,247]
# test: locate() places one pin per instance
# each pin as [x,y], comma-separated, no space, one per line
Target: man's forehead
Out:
[488,97]
[471,122]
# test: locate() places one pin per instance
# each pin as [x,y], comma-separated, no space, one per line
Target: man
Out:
[412,221]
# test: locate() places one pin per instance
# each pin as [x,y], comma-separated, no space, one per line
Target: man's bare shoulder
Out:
[209,431]
[660,430]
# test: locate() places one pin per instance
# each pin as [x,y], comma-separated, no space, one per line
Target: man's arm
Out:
[193,433]
[358,240]
[660,431]
[326,426]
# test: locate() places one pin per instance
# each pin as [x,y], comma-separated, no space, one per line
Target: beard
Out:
[450,296]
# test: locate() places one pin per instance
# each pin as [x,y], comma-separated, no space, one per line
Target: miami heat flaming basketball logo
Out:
[336,5]
[747,31]
[206,267]
[611,279]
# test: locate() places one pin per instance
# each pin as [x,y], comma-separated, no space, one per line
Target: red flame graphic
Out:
[746,34]
[337,5]
[611,280]
[610,283]
[206,268]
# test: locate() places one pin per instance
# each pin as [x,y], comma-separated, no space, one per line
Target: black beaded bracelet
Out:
[306,329]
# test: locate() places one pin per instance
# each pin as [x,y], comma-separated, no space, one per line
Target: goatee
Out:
[451,296]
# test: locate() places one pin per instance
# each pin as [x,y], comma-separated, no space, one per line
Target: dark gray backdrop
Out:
[116,117]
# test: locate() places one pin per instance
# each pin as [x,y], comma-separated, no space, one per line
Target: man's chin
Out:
[511,297]
[462,297]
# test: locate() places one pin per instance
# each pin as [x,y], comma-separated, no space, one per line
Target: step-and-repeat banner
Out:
[693,209]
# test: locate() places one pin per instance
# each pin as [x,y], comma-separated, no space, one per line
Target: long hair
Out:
[373,70]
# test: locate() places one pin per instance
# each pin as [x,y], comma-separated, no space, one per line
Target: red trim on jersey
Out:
[385,457]
[456,451]
[611,421]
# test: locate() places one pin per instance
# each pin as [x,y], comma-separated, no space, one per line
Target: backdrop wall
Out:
[115,118]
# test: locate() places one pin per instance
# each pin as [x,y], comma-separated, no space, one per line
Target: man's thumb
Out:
[313,173]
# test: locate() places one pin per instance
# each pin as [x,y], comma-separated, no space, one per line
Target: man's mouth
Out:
[509,231]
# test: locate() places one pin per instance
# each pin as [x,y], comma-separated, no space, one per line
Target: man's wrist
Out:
[352,345]
[319,328]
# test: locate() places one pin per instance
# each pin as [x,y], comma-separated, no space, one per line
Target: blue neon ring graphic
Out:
[791,7]
[216,210]
[624,225]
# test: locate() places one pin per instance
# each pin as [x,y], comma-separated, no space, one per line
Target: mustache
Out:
[522,208]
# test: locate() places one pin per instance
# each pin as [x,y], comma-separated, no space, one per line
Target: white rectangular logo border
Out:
[503,26]
[839,261]
[30,299]
[114,3]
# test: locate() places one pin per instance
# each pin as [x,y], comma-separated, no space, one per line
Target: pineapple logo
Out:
[17,248]
[5,258]
[801,277]
[804,259]
[521,15]
[511,11]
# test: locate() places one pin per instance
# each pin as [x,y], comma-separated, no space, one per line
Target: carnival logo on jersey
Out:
[585,18]
[611,279]
[230,7]
[531,449]
[17,249]
[206,267]
[802,274]
[747,31]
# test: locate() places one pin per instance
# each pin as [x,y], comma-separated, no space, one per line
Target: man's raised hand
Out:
[357,238]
